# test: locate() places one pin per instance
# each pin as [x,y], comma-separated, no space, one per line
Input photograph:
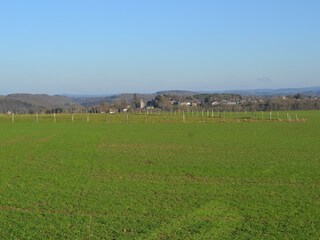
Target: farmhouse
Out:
[185,104]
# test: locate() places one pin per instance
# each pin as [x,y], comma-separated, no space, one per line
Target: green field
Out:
[159,177]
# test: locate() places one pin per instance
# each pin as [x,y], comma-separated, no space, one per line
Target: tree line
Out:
[165,102]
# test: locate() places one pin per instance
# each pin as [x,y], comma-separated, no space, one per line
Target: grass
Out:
[109,180]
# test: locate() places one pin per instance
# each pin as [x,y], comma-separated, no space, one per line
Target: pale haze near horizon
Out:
[104,47]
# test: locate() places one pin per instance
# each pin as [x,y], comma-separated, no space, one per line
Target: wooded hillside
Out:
[30,103]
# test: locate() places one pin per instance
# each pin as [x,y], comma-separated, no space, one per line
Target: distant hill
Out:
[28,103]
[24,103]
[127,97]
[177,93]
[15,106]
[41,100]
[311,91]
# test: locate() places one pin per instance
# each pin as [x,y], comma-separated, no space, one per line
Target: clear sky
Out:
[112,46]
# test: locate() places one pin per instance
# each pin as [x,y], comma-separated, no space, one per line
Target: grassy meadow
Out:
[168,176]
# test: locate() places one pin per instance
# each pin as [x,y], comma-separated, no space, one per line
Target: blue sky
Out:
[112,46]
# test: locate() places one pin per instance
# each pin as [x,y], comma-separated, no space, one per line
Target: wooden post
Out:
[270,115]
[278,116]
[54,117]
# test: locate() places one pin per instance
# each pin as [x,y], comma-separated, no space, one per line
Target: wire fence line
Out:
[158,117]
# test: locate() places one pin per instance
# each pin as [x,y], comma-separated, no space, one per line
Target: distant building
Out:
[185,104]
[126,109]
[231,103]
[149,105]
[113,110]
[142,104]
[174,102]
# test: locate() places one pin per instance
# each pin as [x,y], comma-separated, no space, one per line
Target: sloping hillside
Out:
[127,97]
[28,103]
[41,100]
[9,105]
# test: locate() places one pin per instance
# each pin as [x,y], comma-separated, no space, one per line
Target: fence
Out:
[158,117]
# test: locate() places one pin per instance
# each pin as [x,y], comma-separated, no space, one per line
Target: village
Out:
[218,102]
